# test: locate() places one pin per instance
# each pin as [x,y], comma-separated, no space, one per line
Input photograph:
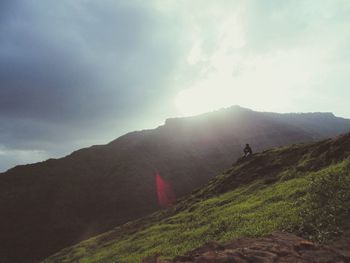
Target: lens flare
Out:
[165,193]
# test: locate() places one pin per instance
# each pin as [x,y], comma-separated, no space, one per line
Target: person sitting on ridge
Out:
[247,150]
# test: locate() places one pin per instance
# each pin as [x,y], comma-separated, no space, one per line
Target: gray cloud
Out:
[71,69]
[76,73]
[88,64]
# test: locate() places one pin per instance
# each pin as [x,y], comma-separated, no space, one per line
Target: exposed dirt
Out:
[278,247]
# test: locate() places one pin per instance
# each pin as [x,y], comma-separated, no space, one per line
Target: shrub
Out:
[325,208]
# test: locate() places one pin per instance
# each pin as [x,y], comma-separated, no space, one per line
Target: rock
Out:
[278,247]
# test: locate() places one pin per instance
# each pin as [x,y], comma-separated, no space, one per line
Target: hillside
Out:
[303,189]
[279,247]
[54,204]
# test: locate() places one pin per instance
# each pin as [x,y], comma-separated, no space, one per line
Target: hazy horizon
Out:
[74,74]
[3,169]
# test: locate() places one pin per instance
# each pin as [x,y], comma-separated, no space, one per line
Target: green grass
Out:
[325,207]
[314,204]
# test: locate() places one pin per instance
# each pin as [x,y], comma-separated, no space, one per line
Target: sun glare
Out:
[267,83]
[204,98]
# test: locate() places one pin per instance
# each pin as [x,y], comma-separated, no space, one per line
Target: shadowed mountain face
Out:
[56,203]
[302,189]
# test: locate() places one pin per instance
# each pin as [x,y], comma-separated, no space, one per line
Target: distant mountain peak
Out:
[100,187]
[228,110]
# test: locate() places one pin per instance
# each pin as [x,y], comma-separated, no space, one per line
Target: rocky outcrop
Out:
[277,247]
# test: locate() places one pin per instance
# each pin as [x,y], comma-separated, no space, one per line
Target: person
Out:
[247,150]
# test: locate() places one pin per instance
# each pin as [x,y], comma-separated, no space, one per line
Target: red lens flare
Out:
[165,193]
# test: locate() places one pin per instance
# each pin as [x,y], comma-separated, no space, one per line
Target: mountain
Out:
[301,189]
[279,247]
[59,202]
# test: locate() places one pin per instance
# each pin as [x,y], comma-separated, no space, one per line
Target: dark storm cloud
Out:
[77,73]
[5,8]
[69,67]
[81,64]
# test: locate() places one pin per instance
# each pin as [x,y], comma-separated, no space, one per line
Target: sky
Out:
[83,72]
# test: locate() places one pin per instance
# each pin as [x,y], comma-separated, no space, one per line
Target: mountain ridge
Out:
[176,120]
[60,202]
[303,189]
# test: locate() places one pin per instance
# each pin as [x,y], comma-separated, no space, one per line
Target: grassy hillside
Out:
[304,189]
[60,202]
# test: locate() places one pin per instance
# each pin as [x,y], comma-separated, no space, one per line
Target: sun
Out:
[189,102]
[202,98]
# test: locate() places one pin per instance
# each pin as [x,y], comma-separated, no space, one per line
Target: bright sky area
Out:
[83,72]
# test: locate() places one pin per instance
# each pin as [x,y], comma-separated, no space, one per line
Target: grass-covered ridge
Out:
[303,189]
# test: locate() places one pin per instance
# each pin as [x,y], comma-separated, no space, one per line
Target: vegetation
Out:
[60,202]
[326,207]
[312,202]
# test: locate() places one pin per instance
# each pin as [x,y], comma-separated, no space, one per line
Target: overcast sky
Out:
[83,72]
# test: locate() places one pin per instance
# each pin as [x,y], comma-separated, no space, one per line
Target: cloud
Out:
[295,51]
[12,157]
[82,61]
[76,73]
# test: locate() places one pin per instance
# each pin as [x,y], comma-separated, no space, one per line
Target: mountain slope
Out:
[304,189]
[57,203]
[279,247]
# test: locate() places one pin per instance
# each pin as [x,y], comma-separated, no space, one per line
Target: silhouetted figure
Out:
[247,150]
